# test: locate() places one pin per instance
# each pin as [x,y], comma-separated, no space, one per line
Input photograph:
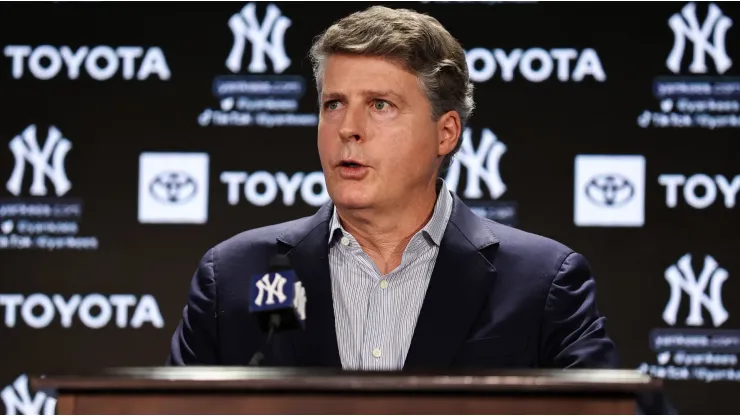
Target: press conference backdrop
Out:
[138,135]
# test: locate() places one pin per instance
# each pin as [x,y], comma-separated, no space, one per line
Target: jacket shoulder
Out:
[260,241]
[529,249]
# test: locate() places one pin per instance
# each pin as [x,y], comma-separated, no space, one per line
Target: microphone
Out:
[278,300]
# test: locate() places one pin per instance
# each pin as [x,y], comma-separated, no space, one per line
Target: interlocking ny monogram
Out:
[482,165]
[25,148]
[682,278]
[272,289]
[17,400]
[689,29]
[244,25]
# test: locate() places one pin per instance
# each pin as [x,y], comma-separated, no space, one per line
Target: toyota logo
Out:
[610,190]
[173,187]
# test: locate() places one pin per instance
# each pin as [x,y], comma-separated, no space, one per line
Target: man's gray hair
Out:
[414,40]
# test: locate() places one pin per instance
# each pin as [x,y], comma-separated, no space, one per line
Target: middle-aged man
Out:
[398,272]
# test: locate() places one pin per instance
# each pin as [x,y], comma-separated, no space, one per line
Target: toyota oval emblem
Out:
[610,190]
[173,187]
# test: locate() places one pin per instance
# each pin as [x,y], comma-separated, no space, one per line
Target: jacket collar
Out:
[460,284]
[473,228]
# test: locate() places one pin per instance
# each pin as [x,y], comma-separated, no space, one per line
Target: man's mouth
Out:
[350,169]
[350,164]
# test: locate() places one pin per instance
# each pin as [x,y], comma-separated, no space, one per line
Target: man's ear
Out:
[449,128]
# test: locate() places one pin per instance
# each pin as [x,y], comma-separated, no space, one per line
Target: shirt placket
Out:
[377,350]
[375,353]
[368,273]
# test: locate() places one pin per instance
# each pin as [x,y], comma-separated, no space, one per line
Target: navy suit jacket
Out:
[498,298]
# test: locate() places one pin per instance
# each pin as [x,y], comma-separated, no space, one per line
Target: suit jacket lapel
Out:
[306,245]
[459,287]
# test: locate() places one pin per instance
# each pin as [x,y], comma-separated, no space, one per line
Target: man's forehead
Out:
[348,77]
[366,72]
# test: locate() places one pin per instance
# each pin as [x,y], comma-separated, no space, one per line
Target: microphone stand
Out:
[259,356]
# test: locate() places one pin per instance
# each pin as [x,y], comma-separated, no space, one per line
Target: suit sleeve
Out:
[573,332]
[194,341]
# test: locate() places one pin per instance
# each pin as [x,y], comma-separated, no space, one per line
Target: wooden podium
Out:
[240,390]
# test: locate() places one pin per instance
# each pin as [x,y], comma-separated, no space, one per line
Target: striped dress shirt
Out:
[375,315]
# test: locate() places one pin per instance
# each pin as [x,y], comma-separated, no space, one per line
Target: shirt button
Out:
[383,284]
[376,353]
[345,241]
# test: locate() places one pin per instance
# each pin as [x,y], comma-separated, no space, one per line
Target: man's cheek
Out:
[326,150]
[396,167]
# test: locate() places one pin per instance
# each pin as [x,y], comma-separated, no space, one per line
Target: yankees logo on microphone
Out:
[279,292]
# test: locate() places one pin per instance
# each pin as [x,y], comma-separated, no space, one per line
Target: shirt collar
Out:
[434,229]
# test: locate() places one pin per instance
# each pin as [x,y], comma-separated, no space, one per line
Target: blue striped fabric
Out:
[375,315]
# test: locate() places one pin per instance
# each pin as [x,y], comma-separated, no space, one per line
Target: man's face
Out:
[377,141]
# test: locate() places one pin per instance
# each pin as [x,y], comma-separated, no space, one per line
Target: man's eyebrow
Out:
[367,93]
[378,93]
[327,96]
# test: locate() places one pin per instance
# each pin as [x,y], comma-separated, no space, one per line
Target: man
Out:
[398,272]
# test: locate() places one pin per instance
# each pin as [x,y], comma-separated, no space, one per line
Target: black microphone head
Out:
[279,262]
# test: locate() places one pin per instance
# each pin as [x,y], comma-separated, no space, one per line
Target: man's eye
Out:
[332,105]
[380,105]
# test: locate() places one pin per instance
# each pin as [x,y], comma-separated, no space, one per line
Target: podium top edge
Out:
[262,378]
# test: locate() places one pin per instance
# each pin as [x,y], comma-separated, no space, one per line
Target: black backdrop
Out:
[117,231]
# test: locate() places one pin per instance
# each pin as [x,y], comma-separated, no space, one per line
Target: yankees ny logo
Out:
[17,399]
[690,29]
[481,164]
[25,148]
[272,289]
[682,278]
[244,25]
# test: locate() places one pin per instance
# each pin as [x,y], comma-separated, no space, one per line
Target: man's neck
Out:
[384,234]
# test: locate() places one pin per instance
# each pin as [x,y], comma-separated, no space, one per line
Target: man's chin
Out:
[352,204]
[353,199]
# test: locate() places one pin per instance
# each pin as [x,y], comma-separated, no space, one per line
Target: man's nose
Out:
[353,123]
